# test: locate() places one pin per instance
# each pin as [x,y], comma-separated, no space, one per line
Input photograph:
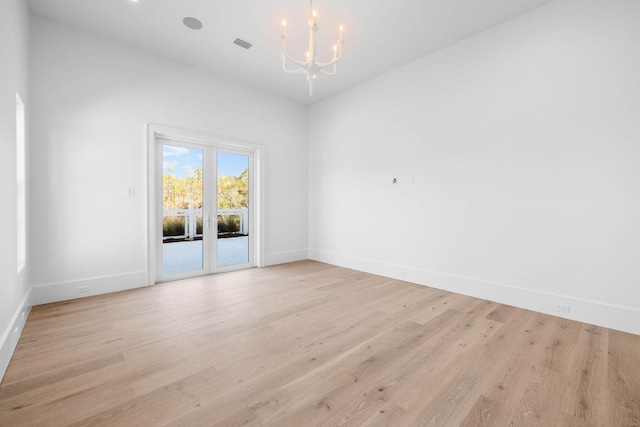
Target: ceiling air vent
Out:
[242,43]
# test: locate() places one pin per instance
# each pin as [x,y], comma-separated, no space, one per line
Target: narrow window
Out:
[21,204]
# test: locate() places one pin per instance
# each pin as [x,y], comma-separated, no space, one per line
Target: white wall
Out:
[92,99]
[524,142]
[14,290]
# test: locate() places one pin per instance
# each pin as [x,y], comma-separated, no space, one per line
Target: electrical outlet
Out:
[562,308]
[401,274]
[82,289]
[131,191]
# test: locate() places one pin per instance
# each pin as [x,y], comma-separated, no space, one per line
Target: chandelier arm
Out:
[285,57]
[321,65]
[298,70]
[334,61]
[329,73]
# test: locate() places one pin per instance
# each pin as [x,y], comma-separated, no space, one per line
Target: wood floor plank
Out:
[624,378]
[311,344]
[480,413]
[389,415]
[588,380]
[245,417]
[538,404]
[507,379]
[157,407]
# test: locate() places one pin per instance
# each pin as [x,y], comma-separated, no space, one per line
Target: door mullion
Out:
[212,206]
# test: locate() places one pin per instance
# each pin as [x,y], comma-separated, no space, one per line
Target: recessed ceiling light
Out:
[192,23]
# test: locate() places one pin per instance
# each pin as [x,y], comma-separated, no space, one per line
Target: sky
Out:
[183,159]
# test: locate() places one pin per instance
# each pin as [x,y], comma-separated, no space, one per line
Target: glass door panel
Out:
[232,214]
[182,215]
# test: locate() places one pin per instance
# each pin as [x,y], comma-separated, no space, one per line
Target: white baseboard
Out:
[45,294]
[596,313]
[284,257]
[11,335]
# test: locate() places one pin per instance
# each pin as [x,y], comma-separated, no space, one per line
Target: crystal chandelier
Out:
[310,66]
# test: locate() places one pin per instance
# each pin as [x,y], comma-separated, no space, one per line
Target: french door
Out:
[204,209]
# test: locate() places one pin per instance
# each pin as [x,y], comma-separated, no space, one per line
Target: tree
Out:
[182,193]
[186,193]
[233,191]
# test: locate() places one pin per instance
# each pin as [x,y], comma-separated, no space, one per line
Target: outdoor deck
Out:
[187,256]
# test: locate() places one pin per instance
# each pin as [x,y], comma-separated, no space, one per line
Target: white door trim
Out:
[154,132]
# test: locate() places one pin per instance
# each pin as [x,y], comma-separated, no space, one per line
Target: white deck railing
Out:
[190,225]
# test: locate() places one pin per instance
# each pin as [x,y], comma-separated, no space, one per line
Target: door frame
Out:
[155,132]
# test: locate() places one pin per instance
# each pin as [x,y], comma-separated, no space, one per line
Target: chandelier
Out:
[310,66]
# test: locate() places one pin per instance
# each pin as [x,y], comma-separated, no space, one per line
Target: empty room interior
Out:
[294,213]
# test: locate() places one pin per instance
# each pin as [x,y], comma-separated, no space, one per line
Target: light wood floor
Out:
[309,344]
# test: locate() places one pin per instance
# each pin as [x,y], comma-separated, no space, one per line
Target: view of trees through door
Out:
[232,208]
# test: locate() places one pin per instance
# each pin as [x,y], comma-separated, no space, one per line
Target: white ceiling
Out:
[380,35]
